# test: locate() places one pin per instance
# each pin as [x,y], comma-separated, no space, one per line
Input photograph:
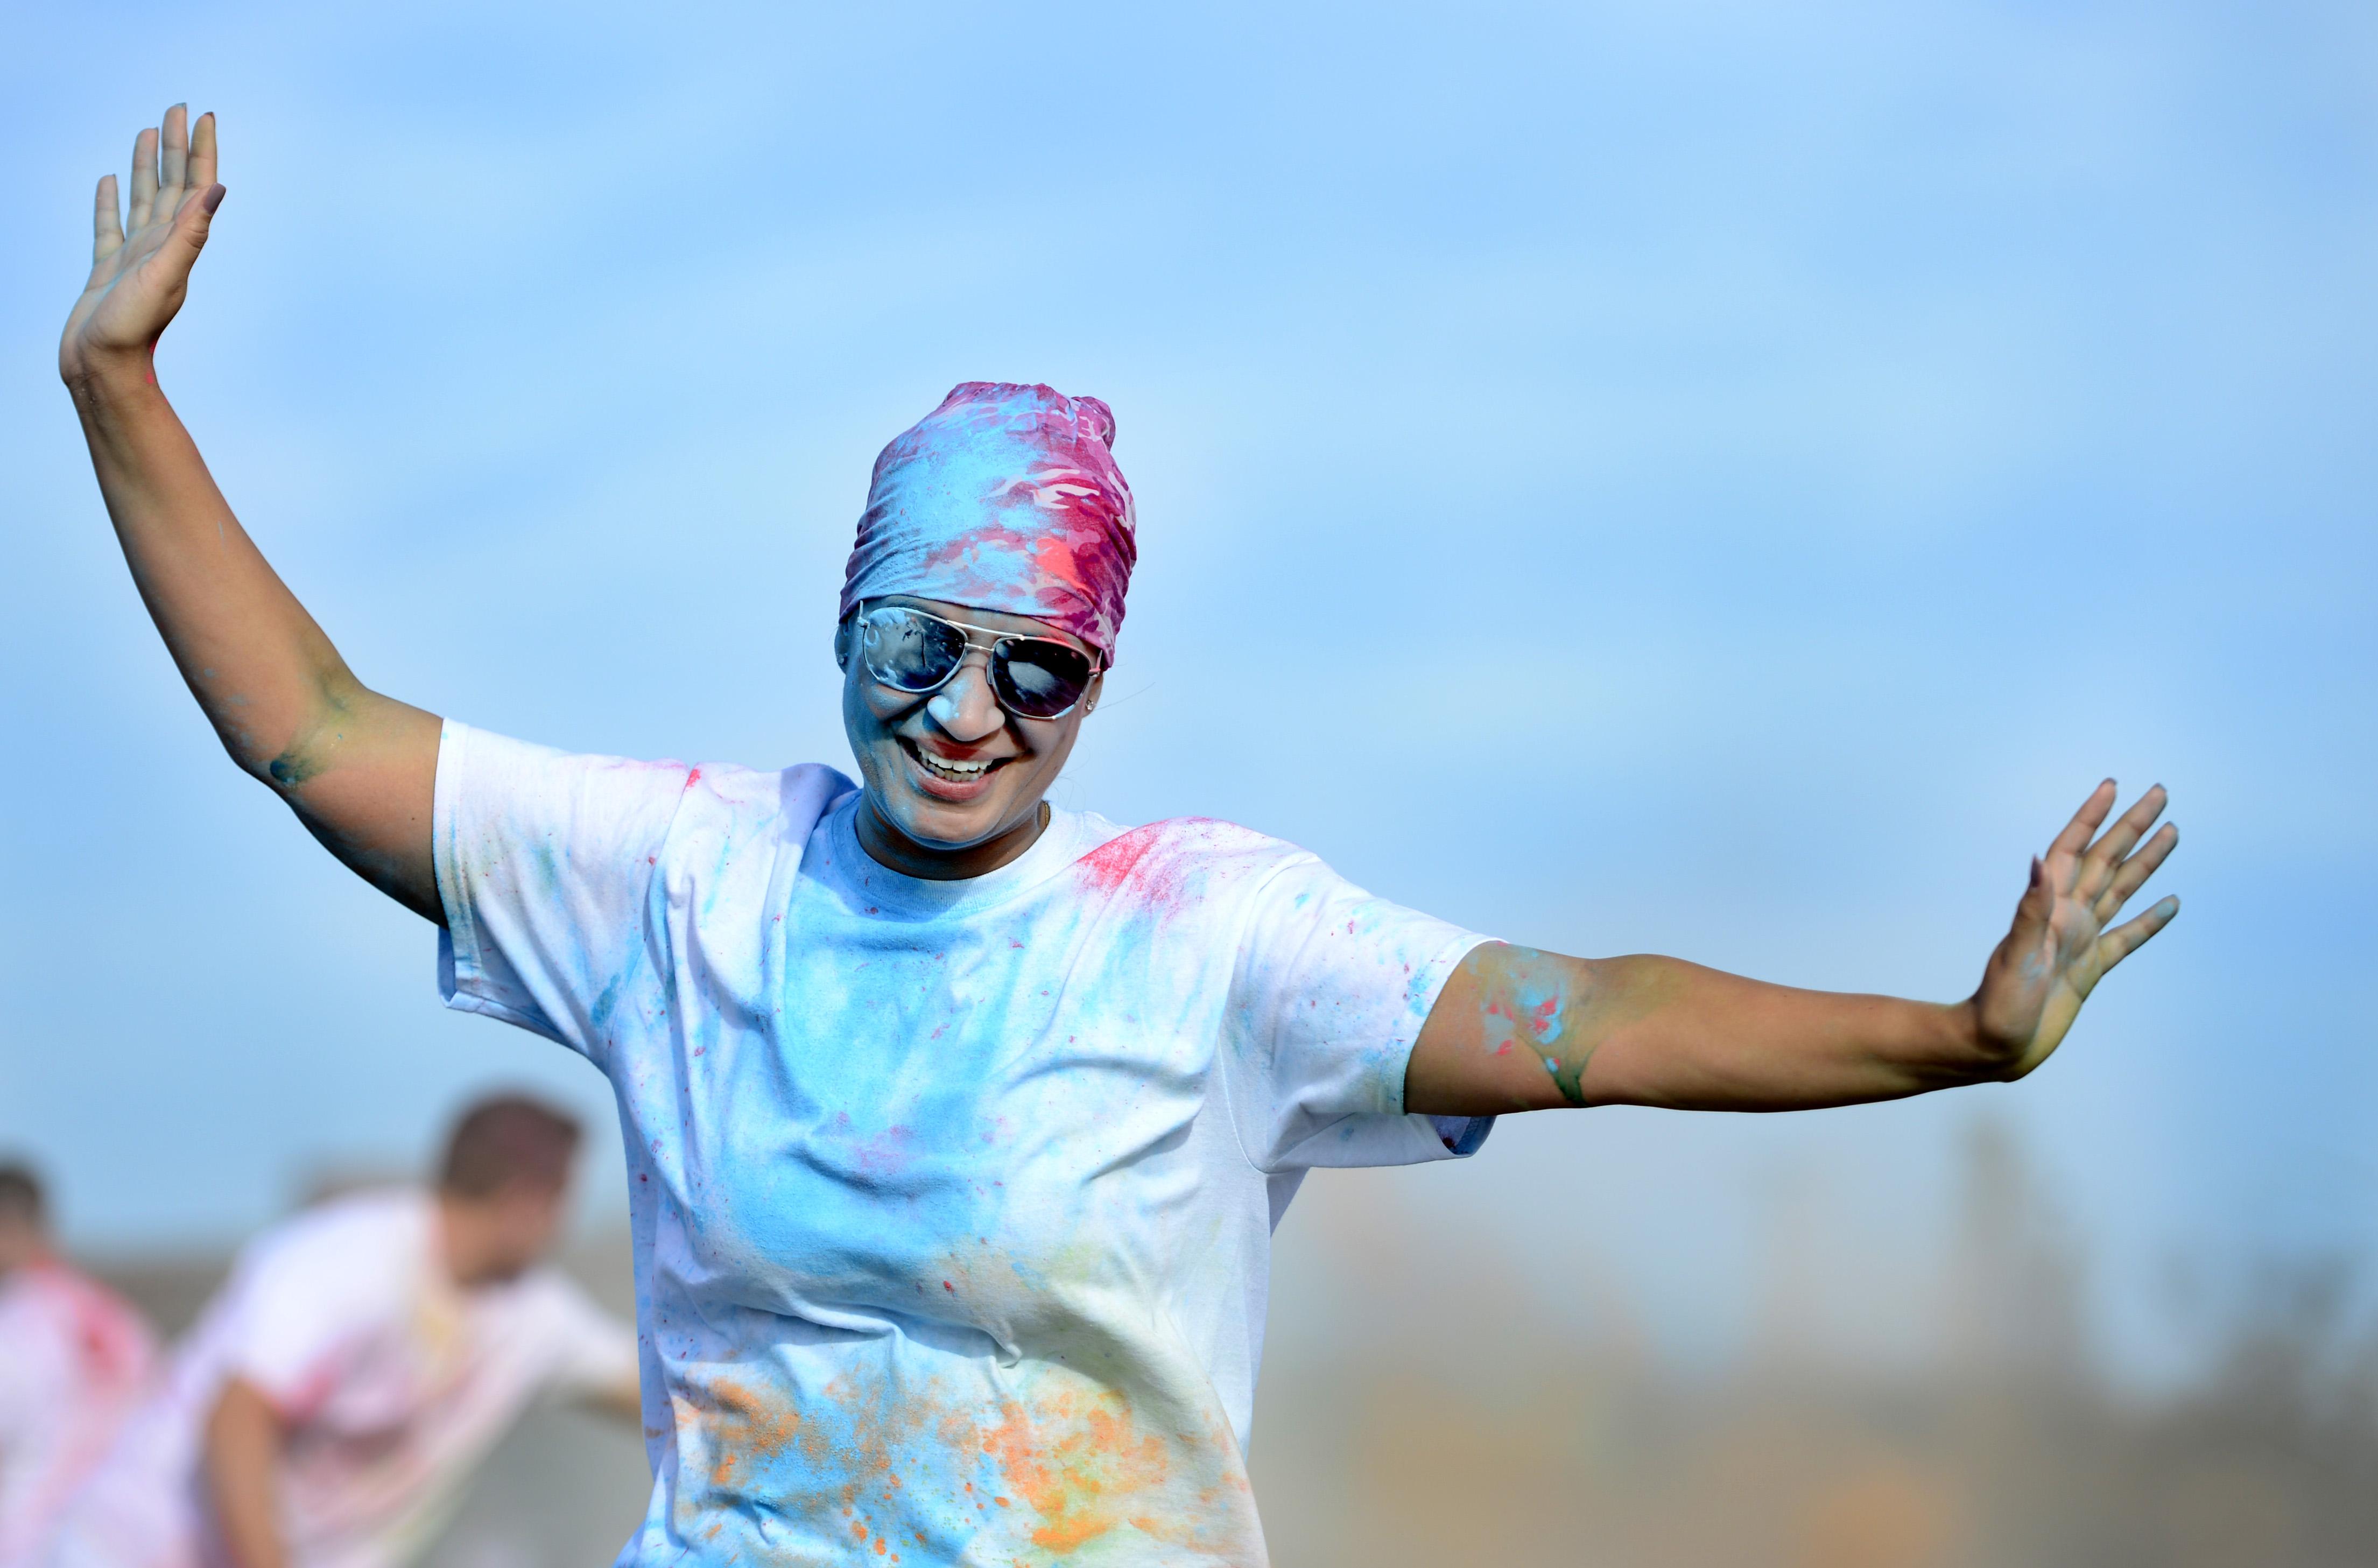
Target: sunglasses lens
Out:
[907,651]
[1036,678]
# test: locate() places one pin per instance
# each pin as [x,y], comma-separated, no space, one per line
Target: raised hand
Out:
[140,264]
[2059,948]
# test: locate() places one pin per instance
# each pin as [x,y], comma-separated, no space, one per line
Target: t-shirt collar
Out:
[878,890]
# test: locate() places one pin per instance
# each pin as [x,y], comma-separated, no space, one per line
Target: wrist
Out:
[1986,1059]
[98,377]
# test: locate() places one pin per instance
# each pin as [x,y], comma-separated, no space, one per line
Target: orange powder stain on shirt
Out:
[1080,1462]
[752,1430]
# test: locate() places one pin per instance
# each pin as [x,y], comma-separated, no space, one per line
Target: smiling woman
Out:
[957,1125]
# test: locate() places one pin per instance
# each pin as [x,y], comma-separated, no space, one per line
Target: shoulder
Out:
[495,772]
[548,1300]
[93,1303]
[1184,858]
[57,1299]
[346,1244]
[107,1335]
[733,825]
[546,1320]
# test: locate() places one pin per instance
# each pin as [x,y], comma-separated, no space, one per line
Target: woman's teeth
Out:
[955,772]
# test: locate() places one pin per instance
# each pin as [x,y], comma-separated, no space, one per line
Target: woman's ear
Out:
[842,645]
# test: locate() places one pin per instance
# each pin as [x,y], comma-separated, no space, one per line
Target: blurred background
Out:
[1722,479]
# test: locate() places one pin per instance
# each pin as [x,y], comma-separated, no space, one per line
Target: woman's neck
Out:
[895,851]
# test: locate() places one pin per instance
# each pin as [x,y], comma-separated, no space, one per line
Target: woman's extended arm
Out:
[356,767]
[1515,1030]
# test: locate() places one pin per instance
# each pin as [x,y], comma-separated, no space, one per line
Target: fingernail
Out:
[213,198]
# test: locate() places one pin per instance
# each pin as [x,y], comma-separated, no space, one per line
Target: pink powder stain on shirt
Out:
[1153,864]
[111,1342]
[1110,867]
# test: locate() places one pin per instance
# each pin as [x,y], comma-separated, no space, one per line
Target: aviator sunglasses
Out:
[912,651]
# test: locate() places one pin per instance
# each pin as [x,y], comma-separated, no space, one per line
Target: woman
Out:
[956,1124]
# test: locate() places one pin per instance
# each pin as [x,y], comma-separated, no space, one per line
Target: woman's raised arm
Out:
[356,767]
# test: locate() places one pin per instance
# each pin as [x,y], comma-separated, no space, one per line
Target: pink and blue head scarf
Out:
[1005,498]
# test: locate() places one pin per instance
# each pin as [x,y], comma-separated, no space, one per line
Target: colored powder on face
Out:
[1006,498]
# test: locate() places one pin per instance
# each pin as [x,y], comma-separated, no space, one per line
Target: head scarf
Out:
[1005,498]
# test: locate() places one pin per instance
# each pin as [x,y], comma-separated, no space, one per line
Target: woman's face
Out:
[954,779]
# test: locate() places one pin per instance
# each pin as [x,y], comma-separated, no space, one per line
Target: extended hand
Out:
[2059,948]
[138,279]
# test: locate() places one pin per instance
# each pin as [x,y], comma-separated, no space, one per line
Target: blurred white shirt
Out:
[392,1382]
[74,1358]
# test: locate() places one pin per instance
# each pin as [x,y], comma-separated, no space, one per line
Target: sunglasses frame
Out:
[997,639]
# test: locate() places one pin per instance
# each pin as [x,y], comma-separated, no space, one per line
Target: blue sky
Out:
[1721,479]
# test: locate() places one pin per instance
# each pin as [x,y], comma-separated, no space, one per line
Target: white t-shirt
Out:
[391,1379]
[951,1201]
[74,1358]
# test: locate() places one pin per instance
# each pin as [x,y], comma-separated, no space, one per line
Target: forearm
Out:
[1662,1031]
[356,767]
[1518,1030]
[622,1401]
[243,1477]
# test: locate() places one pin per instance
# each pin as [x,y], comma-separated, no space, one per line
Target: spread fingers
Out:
[2097,867]
[2063,857]
[106,223]
[144,181]
[2135,871]
[202,152]
[172,159]
[2129,937]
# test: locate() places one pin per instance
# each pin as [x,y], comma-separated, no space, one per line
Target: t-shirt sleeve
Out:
[301,1306]
[543,862]
[591,1351]
[1331,987]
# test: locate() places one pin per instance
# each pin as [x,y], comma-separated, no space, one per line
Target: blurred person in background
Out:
[74,1358]
[327,1407]
[957,1124]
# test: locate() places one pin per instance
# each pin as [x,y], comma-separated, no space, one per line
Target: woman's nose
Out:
[966,709]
